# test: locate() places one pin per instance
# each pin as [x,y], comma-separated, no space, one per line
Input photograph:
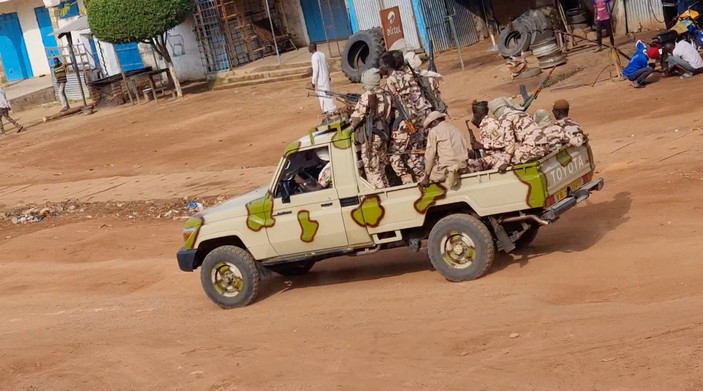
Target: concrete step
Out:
[253,82]
[305,71]
[268,68]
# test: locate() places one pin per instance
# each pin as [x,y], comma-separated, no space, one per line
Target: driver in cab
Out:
[324,179]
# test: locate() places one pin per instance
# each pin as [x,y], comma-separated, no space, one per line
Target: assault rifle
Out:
[348,98]
[528,99]
[436,103]
[404,116]
[472,139]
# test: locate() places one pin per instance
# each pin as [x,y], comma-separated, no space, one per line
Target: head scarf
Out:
[543,118]
[370,78]
[413,60]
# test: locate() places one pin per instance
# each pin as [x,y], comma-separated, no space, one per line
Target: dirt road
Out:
[608,298]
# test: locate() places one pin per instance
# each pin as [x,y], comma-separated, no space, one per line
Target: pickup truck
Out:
[287,227]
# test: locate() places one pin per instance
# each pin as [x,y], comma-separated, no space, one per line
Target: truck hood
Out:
[234,207]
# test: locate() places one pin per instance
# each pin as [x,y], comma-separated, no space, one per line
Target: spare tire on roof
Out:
[362,51]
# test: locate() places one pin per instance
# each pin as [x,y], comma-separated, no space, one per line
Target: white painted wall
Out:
[183,46]
[30,29]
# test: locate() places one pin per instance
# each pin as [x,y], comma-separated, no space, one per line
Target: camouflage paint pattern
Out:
[370,212]
[429,196]
[260,213]
[193,222]
[291,148]
[563,157]
[343,139]
[530,175]
[308,226]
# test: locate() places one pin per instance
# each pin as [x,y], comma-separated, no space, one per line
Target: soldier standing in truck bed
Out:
[405,136]
[376,103]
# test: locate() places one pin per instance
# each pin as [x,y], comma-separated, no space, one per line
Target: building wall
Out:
[292,15]
[184,50]
[30,31]
[641,15]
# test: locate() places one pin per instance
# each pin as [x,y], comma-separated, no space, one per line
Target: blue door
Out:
[45,27]
[329,16]
[129,56]
[12,48]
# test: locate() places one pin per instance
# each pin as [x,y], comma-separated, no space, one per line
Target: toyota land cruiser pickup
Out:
[287,226]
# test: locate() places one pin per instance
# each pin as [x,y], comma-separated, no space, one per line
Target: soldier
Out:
[430,80]
[447,154]
[376,103]
[498,145]
[572,133]
[407,133]
[551,130]
[532,144]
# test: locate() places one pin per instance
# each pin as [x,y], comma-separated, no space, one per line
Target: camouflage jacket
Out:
[572,133]
[493,136]
[402,84]
[525,129]
[383,110]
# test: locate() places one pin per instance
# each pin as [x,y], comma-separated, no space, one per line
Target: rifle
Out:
[432,67]
[472,139]
[529,99]
[436,103]
[349,98]
[412,152]
[403,117]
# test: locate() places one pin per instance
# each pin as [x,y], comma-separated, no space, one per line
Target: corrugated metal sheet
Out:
[644,15]
[73,91]
[436,14]
[368,16]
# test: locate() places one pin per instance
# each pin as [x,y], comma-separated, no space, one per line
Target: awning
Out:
[77,25]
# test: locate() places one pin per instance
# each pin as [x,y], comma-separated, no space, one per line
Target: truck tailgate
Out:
[566,170]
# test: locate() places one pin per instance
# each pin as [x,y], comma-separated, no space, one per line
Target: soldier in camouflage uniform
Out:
[552,131]
[406,137]
[497,144]
[571,133]
[532,144]
[374,151]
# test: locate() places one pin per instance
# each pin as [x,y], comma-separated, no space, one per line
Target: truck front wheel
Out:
[461,247]
[230,277]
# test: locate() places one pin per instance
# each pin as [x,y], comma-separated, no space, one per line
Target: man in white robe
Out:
[321,80]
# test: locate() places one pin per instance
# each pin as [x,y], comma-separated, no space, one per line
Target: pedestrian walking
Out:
[5,113]
[321,81]
[601,10]
[61,80]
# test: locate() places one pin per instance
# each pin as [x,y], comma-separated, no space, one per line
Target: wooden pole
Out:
[75,67]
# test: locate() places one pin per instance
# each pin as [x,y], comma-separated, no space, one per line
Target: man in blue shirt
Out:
[638,69]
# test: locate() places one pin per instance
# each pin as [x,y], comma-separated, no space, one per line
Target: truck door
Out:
[307,215]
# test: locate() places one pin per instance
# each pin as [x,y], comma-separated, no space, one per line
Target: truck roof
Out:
[339,133]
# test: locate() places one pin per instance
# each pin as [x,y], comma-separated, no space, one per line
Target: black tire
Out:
[513,42]
[292,269]
[219,263]
[527,238]
[362,51]
[467,234]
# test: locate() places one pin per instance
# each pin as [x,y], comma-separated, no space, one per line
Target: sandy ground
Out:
[606,299]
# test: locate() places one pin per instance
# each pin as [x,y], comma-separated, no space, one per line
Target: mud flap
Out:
[504,241]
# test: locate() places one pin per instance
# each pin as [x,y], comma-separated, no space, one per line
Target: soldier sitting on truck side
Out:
[495,142]
[446,154]
[372,117]
[531,143]
[571,132]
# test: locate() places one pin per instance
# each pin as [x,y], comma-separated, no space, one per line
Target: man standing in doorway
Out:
[601,9]
[321,81]
[60,74]
[5,113]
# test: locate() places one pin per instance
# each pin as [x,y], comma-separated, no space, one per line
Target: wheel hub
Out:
[458,250]
[227,279]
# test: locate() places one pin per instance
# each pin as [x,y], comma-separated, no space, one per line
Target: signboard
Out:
[392,27]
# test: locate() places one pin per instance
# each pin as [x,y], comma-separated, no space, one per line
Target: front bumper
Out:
[187,259]
[552,213]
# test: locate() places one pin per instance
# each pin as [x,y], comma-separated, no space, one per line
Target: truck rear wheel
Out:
[461,247]
[230,277]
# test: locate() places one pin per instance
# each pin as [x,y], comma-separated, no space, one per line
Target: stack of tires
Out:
[548,53]
[577,18]
[527,30]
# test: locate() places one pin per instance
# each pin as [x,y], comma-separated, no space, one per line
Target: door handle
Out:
[326,204]
[287,212]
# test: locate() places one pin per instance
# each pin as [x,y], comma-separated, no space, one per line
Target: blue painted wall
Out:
[12,48]
[338,25]
[129,56]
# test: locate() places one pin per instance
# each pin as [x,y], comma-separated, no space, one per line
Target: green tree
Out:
[147,21]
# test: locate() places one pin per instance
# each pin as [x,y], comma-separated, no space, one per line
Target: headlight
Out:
[190,231]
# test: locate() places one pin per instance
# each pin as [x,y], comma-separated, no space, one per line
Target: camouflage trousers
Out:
[526,153]
[374,155]
[492,160]
[410,167]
